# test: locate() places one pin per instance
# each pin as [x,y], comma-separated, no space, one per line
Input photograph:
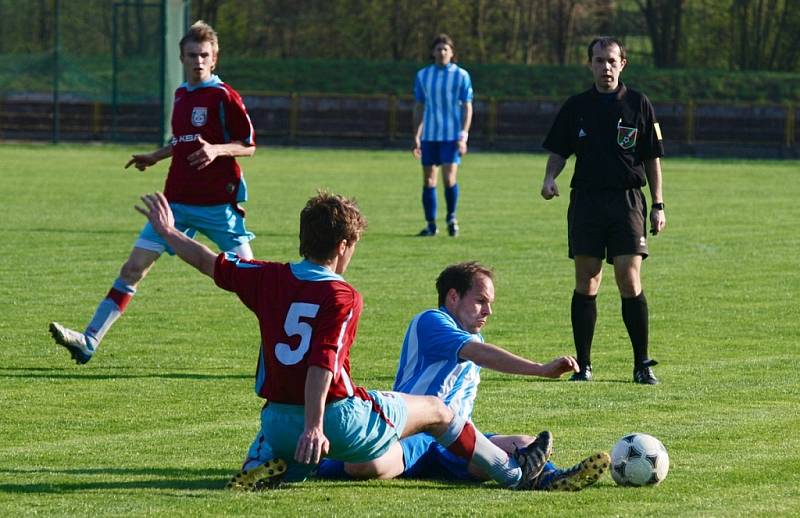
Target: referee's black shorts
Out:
[606,224]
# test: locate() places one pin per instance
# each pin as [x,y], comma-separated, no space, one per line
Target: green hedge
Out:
[508,80]
[91,78]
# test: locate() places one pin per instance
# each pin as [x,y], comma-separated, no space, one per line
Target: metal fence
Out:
[764,130]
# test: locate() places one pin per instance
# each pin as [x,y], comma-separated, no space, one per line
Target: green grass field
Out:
[162,416]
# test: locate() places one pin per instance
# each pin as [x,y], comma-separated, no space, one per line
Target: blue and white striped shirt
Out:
[443,90]
[430,365]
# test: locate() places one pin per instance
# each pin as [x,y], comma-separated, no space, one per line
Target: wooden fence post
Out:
[391,104]
[295,107]
[97,119]
[791,119]
[491,129]
[690,107]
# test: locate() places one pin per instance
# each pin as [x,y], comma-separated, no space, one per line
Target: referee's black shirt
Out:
[612,135]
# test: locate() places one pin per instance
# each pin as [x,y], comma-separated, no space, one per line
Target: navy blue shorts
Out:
[438,153]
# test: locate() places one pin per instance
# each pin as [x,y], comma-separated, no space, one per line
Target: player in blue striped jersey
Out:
[442,355]
[442,118]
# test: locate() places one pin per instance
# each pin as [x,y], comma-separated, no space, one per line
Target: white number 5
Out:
[293,326]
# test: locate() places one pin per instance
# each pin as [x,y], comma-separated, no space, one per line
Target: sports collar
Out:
[214,80]
[306,270]
[620,91]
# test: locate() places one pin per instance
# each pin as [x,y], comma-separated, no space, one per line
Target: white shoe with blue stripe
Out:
[75,342]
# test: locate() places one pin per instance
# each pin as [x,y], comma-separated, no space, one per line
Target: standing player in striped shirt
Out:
[443,352]
[442,118]
[308,316]
[210,127]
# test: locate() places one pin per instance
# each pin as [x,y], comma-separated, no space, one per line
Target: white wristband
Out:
[463,136]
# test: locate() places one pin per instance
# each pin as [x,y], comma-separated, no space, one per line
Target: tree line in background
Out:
[719,34]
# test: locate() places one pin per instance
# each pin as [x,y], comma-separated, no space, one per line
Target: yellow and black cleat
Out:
[263,476]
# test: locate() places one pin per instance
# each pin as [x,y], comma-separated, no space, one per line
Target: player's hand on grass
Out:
[549,188]
[203,156]
[158,212]
[311,446]
[559,366]
[657,221]
[142,162]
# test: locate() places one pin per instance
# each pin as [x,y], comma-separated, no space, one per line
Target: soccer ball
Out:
[639,459]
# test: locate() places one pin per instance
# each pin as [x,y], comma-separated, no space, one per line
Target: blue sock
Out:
[429,204]
[334,469]
[451,197]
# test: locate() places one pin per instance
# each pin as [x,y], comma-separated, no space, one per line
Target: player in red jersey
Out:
[308,316]
[210,127]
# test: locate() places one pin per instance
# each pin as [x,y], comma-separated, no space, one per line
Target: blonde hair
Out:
[201,32]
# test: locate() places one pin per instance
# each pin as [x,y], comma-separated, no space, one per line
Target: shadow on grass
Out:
[49,373]
[75,231]
[158,478]
[189,479]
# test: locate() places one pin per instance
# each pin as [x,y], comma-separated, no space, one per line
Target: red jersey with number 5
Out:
[308,316]
[214,111]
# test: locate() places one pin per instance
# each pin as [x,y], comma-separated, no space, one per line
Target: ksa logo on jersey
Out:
[199,116]
[626,137]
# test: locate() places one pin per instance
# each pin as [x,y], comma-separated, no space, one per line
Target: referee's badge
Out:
[626,137]
[199,116]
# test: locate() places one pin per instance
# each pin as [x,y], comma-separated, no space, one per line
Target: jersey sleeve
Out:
[558,139]
[465,94]
[439,338]
[236,119]
[419,91]
[245,277]
[332,329]
[652,143]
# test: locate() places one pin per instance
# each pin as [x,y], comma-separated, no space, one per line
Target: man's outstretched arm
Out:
[498,359]
[160,216]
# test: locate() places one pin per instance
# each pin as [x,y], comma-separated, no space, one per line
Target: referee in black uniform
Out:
[613,132]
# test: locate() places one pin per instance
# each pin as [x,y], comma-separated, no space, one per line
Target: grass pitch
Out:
[162,416]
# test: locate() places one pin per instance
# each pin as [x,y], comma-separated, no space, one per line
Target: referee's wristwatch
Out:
[658,206]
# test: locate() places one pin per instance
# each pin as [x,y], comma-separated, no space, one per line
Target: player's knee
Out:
[629,286]
[525,439]
[587,285]
[440,412]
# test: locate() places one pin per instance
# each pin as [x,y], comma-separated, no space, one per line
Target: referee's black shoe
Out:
[643,374]
[585,374]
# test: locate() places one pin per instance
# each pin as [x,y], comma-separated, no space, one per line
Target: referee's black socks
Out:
[636,317]
[584,317]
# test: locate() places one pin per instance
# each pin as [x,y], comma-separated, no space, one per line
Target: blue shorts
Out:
[222,224]
[438,153]
[358,430]
[425,458]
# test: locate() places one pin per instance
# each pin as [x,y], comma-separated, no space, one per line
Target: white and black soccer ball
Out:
[639,459]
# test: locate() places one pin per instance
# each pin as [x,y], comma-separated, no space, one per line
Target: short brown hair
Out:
[459,277]
[201,32]
[325,221]
[606,41]
[447,40]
